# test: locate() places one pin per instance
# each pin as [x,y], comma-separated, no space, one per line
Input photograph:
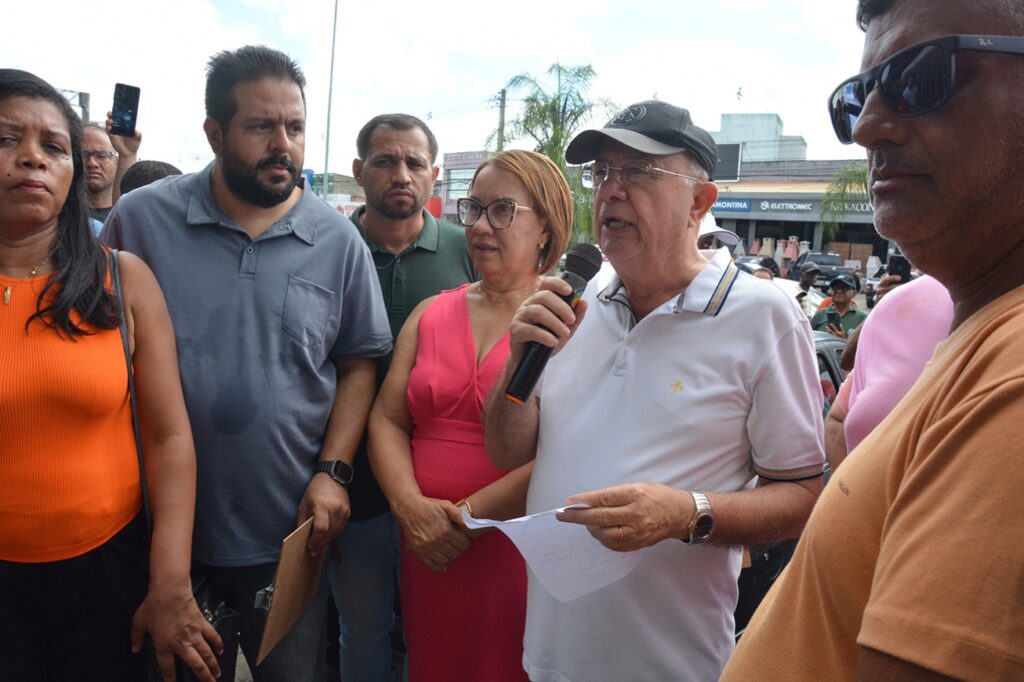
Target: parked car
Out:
[760,261]
[767,562]
[829,262]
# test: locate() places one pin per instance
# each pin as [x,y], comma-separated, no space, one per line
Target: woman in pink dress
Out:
[464,592]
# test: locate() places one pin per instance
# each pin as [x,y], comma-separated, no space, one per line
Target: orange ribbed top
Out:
[69,476]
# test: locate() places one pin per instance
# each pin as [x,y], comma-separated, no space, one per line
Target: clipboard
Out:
[296,582]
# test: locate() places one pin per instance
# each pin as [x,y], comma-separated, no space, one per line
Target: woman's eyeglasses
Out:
[500,213]
[914,81]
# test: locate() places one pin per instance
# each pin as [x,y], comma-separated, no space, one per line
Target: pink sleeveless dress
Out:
[467,622]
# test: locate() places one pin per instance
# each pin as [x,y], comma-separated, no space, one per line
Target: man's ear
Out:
[435,172]
[357,171]
[214,135]
[704,199]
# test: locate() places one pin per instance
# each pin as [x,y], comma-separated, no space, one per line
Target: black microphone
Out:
[581,264]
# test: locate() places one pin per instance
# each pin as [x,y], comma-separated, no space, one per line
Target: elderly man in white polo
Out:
[684,409]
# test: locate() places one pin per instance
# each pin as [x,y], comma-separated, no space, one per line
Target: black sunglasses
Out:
[914,81]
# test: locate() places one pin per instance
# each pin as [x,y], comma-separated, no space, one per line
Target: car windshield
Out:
[827,259]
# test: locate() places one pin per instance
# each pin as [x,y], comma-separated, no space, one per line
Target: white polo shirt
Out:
[712,388]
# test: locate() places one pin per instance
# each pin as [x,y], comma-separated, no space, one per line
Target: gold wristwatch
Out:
[702,523]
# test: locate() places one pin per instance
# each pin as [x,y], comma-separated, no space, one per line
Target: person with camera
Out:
[842,316]
[106,159]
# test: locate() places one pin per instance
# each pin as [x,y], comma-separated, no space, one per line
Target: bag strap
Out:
[115,274]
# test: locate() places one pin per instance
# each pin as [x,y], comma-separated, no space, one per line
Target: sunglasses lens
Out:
[917,81]
[845,106]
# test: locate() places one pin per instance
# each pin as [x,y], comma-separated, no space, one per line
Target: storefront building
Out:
[771,191]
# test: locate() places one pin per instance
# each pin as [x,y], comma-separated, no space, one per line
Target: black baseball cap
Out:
[844,279]
[651,127]
[809,266]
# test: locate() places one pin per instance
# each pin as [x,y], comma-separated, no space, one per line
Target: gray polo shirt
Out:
[259,325]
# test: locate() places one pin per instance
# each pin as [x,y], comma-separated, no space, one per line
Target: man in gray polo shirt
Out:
[278,319]
[416,256]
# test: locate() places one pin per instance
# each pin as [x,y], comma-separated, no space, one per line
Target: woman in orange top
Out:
[81,584]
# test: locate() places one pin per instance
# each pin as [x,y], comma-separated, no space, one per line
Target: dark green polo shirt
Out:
[850,321]
[436,261]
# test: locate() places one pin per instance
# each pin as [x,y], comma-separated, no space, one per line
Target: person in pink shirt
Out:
[896,341]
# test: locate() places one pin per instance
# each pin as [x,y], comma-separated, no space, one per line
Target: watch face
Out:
[342,472]
[703,526]
[338,470]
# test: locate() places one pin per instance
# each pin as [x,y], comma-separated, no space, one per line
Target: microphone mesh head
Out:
[583,260]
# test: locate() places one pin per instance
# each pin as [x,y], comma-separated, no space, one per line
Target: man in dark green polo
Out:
[844,288]
[416,256]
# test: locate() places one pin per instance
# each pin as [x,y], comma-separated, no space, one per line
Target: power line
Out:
[469,107]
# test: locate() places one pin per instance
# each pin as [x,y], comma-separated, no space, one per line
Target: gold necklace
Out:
[9,288]
[518,298]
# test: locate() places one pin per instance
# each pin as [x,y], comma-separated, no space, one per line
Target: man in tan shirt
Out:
[910,567]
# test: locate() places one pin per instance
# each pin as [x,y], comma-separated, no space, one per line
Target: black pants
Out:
[299,656]
[71,619]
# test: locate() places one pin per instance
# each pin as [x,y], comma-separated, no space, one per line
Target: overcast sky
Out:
[445,60]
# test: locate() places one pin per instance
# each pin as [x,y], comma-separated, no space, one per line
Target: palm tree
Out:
[551,116]
[848,186]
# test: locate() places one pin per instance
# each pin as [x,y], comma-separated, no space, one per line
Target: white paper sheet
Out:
[565,557]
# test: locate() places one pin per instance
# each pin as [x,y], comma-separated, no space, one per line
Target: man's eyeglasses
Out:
[101,157]
[914,81]
[500,213]
[596,174]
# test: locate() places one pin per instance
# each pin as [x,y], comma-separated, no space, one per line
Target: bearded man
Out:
[279,322]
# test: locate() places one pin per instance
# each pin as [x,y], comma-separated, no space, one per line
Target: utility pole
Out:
[83,104]
[330,92]
[501,122]
[83,101]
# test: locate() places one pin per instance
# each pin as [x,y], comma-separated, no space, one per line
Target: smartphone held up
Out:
[899,265]
[125,111]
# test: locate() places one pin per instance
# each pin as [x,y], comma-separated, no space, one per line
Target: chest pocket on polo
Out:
[307,307]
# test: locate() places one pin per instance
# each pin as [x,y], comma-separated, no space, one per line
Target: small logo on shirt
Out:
[676,387]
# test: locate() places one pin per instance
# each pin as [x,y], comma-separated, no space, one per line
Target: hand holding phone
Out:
[834,320]
[125,111]
[899,265]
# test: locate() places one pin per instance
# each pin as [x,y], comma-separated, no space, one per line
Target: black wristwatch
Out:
[336,469]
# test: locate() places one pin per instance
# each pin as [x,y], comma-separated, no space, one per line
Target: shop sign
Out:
[740,205]
[854,207]
[787,205]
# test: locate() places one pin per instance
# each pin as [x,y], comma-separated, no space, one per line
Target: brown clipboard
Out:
[295,584]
